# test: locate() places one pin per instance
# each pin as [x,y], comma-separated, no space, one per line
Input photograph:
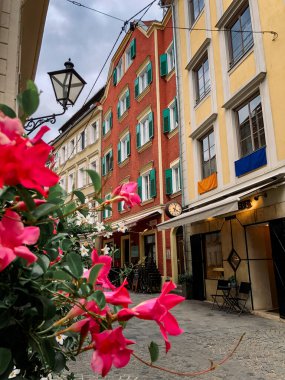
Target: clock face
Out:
[173,209]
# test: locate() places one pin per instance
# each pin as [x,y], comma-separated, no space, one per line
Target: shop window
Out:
[209,165]
[202,79]
[213,256]
[251,127]
[196,7]
[240,36]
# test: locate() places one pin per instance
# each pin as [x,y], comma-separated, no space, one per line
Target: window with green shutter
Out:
[163,65]
[103,128]
[121,206]
[150,124]
[140,186]
[136,87]
[133,48]
[118,110]
[128,99]
[138,133]
[119,152]
[152,183]
[149,73]
[166,120]
[168,181]
[115,76]
[103,165]
[128,144]
[111,119]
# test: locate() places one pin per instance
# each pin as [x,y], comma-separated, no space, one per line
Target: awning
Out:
[133,220]
[214,209]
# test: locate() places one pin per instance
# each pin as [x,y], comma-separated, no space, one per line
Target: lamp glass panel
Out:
[61,83]
[75,88]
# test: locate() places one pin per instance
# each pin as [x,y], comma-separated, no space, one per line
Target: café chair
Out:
[222,291]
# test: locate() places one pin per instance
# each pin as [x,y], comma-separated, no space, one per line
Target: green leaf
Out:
[37,271]
[44,209]
[8,193]
[43,262]
[48,308]
[26,197]
[69,208]
[94,274]
[29,100]
[79,195]
[31,86]
[66,244]
[153,351]
[95,178]
[5,359]
[7,111]
[60,362]
[75,264]
[61,275]
[99,298]
[55,192]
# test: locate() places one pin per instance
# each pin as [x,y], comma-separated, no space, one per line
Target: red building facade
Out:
[140,142]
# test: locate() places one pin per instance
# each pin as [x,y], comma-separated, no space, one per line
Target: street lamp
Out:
[67,85]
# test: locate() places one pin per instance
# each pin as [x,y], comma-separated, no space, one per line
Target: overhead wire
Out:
[146,8]
[94,10]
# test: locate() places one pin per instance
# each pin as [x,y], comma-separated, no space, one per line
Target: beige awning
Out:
[133,220]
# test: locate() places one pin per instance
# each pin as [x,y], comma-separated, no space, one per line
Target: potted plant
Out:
[186,280]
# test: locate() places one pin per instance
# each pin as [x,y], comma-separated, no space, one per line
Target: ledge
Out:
[124,163]
[198,55]
[147,202]
[202,128]
[170,74]
[107,134]
[145,146]
[122,117]
[172,133]
[230,12]
[142,94]
[245,91]
[176,194]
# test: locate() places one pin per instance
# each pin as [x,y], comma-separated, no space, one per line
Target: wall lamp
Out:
[67,85]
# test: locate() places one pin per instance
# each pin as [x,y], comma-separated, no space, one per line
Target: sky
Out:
[86,37]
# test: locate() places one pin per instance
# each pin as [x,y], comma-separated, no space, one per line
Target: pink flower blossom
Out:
[23,207]
[157,309]
[104,271]
[127,193]
[110,348]
[13,236]
[120,296]
[10,130]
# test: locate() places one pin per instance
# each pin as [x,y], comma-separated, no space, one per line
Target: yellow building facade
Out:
[230,79]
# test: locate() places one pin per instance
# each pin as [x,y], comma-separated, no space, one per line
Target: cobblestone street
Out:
[209,335]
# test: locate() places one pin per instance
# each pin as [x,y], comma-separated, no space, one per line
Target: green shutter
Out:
[166,120]
[129,144]
[111,119]
[103,165]
[120,206]
[149,73]
[115,76]
[152,183]
[128,99]
[168,181]
[111,159]
[138,136]
[163,65]
[136,87]
[176,110]
[133,48]
[150,124]
[119,152]
[103,128]
[118,110]
[140,187]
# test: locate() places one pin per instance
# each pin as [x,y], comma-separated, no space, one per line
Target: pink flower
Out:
[13,235]
[127,193]
[104,271]
[23,207]
[25,164]
[157,309]
[120,296]
[10,130]
[110,348]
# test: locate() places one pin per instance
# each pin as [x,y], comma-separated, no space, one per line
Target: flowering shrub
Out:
[51,306]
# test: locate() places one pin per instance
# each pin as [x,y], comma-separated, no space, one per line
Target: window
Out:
[240,36]
[120,70]
[72,149]
[63,155]
[170,58]
[107,212]
[107,162]
[94,132]
[82,140]
[123,104]
[70,182]
[170,119]
[62,182]
[94,164]
[172,179]
[121,206]
[213,255]
[196,7]
[202,75]
[81,177]
[143,79]
[124,148]
[145,130]
[209,165]
[107,123]
[147,185]
[251,127]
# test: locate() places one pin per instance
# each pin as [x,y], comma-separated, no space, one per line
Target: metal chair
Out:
[238,303]
[222,290]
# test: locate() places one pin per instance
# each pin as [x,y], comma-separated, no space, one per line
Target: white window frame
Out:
[108,167]
[94,131]
[144,130]
[172,116]
[107,120]
[143,79]
[120,69]
[124,147]
[63,154]
[176,184]
[146,186]
[170,58]
[91,166]
[128,59]
[81,177]
[70,182]
[123,103]
[62,182]
[107,213]
[72,147]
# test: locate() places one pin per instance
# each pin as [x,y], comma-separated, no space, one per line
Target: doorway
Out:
[181,269]
[196,242]
[149,248]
